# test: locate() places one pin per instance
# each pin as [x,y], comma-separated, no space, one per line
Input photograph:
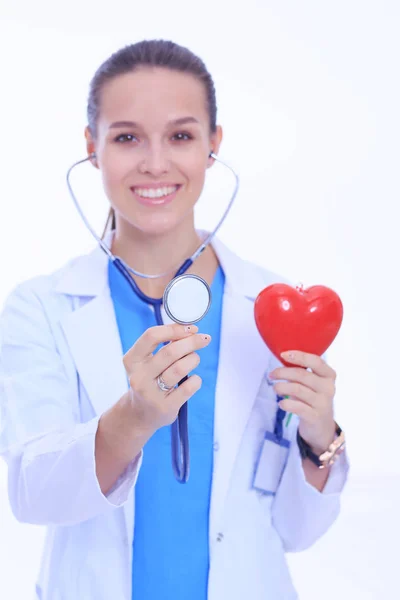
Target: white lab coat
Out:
[62,368]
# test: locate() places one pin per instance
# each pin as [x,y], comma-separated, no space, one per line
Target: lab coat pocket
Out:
[270,464]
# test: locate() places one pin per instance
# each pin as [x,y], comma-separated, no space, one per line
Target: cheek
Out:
[114,169]
[196,171]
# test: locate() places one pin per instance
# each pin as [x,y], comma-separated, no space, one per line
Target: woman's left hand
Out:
[310,396]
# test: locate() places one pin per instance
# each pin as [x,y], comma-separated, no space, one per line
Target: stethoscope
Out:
[186,300]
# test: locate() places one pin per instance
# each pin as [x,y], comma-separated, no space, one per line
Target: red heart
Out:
[298,319]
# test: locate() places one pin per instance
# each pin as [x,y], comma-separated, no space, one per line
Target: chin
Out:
[156,224]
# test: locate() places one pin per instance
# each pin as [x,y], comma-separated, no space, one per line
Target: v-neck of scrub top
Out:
[171,536]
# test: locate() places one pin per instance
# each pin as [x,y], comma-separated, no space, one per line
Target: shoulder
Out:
[243,276]
[39,291]
[264,274]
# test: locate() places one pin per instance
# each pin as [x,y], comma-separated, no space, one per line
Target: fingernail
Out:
[289,355]
[206,337]
[191,328]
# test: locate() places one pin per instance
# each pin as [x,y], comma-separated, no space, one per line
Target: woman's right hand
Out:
[152,407]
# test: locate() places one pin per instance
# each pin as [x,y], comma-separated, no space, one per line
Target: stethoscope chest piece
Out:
[187,299]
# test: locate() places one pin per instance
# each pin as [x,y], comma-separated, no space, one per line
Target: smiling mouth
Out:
[155,193]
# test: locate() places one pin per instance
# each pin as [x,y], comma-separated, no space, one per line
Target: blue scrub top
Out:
[171,537]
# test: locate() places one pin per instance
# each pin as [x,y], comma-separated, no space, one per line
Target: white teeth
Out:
[155,192]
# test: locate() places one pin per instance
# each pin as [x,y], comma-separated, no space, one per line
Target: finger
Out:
[307,378]
[184,392]
[309,361]
[153,337]
[170,354]
[301,409]
[180,369]
[298,390]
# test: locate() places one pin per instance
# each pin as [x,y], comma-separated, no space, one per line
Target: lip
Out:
[155,201]
[154,186]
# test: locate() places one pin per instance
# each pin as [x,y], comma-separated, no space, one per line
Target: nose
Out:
[154,161]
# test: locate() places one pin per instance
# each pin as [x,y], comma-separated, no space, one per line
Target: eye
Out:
[125,137]
[182,136]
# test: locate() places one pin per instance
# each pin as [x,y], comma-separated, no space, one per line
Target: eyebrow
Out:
[181,121]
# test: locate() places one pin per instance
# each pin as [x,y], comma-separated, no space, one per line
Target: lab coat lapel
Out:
[91,329]
[92,334]
[243,361]
[94,342]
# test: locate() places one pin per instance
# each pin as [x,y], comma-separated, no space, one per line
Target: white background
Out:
[309,98]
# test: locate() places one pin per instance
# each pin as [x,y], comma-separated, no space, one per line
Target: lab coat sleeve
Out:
[301,514]
[49,452]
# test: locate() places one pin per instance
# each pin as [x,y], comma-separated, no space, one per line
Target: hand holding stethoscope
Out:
[152,407]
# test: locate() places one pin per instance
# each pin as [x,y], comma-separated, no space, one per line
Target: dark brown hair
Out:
[148,53]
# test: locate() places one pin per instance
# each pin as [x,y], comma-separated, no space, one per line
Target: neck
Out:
[161,253]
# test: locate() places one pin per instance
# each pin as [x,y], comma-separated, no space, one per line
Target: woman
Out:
[81,391]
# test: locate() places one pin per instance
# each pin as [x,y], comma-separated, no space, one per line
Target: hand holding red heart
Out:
[298,326]
[310,396]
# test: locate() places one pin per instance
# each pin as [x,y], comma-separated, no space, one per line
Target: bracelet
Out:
[327,458]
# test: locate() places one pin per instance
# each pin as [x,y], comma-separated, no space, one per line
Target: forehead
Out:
[153,95]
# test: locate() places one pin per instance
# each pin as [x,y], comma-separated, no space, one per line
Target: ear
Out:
[215,143]
[90,146]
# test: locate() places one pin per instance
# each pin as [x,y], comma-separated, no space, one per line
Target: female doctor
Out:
[88,385]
